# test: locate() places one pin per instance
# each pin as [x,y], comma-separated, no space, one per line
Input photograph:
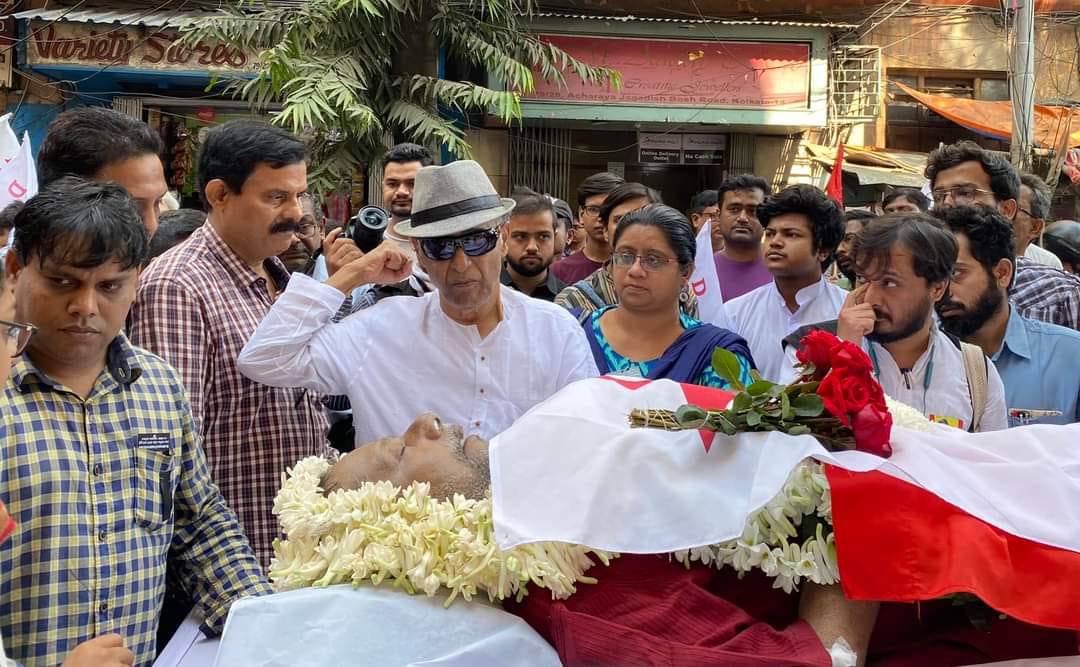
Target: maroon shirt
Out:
[738,278]
[575,267]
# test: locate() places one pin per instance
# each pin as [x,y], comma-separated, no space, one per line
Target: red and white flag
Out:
[706,284]
[994,514]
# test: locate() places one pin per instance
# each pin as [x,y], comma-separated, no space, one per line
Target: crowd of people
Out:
[168,367]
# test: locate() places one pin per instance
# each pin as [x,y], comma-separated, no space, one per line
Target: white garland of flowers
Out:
[381,531]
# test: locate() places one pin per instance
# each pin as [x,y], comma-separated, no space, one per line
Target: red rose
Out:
[873,426]
[850,357]
[831,391]
[816,348]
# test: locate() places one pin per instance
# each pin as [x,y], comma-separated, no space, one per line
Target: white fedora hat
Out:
[453,199]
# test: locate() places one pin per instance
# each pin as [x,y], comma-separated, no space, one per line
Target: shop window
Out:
[911,126]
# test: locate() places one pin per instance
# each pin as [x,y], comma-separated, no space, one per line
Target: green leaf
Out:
[691,416]
[726,425]
[754,375]
[785,407]
[799,429]
[742,401]
[807,405]
[760,387]
[727,366]
[753,418]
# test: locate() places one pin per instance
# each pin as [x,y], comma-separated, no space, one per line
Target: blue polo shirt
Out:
[1039,364]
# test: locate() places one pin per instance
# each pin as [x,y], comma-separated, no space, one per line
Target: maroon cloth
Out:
[647,610]
[738,278]
[575,267]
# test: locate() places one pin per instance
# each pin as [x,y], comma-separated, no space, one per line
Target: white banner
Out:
[18,178]
[705,283]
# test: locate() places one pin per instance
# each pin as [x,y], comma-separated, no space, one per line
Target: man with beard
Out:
[300,256]
[904,263]
[967,173]
[737,232]
[1039,362]
[854,221]
[530,246]
[200,302]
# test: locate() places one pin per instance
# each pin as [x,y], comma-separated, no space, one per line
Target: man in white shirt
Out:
[1030,220]
[474,351]
[904,264]
[802,229]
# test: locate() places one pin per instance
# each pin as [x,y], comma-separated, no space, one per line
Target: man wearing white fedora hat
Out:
[474,351]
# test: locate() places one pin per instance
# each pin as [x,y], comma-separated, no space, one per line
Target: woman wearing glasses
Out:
[647,334]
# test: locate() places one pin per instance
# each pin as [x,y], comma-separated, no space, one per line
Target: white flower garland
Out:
[380,532]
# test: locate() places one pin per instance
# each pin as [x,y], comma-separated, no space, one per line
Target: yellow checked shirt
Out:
[104,492]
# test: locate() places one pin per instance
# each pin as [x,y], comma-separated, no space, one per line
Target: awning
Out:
[994,119]
[872,166]
[130,16]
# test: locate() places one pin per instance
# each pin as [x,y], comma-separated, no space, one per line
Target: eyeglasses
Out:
[651,263]
[17,335]
[474,245]
[591,209]
[961,194]
[1026,212]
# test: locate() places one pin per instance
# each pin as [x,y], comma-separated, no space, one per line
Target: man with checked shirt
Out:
[101,466]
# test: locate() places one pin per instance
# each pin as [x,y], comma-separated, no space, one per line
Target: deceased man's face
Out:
[430,451]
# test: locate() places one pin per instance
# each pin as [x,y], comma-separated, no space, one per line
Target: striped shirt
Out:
[104,491]
[579,297]
[1046,294]
[197,306]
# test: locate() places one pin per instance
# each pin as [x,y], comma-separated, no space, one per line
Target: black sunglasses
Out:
[474,245]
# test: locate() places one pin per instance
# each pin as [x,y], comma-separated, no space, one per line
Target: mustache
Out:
[291,226]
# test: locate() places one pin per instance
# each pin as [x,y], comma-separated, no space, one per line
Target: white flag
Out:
[573,470]
[18,178]
[706,285]
[9,143]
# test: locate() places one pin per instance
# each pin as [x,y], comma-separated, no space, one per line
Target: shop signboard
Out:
[704,148]
[678,148]
[659,147]
[683,73]
[94,45]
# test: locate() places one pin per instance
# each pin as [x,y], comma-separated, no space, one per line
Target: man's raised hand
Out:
[856,317]
[385,265]
[103,651]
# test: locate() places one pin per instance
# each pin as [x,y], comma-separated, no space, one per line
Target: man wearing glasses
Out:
[198,304]
[473,351]
[966,173]
[592,193]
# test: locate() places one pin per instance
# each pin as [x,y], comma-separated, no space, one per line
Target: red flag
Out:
[898,542]
[835,187]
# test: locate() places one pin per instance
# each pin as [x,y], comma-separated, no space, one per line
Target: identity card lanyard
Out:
[927,378]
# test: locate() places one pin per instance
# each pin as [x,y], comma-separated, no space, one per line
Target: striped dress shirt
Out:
[197,305]
[1046,294]
[105,490]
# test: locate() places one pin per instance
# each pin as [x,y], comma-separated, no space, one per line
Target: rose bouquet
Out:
[835,398]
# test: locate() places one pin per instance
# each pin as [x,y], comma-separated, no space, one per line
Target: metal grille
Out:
[540,159]
[741,154]
[129,106]
[855,83]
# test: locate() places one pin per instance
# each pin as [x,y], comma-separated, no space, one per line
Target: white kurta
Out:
[763,319]
[405,356]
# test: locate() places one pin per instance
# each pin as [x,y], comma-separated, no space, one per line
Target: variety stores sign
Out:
[666,72]
[92,44]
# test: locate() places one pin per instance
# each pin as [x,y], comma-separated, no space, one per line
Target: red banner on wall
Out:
[661,72]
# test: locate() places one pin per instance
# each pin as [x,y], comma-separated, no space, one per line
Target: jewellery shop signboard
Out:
[134,47]
[681,148]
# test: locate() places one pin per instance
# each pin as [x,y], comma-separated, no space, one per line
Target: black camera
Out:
[367,227]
